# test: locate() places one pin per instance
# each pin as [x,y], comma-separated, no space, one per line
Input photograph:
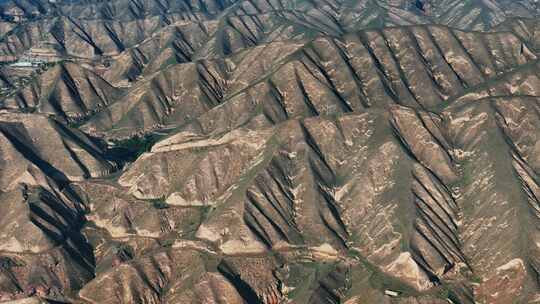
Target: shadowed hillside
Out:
[269,151]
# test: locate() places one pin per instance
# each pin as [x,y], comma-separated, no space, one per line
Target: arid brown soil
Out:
[270,151]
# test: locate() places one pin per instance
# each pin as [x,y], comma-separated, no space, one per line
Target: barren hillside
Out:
[270,151]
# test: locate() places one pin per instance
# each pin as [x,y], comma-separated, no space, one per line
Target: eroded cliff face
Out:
[270,152]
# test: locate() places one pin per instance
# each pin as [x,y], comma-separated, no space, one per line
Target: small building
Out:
[391,293]
[23,64]
[27,61]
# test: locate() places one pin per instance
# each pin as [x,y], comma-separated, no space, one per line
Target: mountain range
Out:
[270,151]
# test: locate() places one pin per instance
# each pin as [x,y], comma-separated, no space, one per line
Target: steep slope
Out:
[420,183]
[420,67]
[90,28]
[65,90]
[60,152]
[525,28]
[269,151]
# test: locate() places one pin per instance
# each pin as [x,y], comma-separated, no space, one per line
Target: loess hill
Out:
[270,151]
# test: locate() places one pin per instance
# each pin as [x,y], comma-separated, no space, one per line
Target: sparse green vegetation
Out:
[130,149]
[303,144]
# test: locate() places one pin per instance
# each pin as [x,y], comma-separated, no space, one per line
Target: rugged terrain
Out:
[270,151]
